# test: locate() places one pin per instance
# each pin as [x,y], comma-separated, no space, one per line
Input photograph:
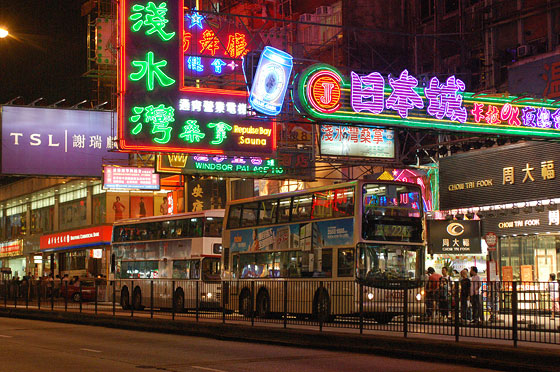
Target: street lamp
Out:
[3,33]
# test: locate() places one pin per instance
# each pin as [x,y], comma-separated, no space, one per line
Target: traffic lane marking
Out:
[91,350]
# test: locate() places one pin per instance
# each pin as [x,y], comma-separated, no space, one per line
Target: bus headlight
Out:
[419,296]
[370,296]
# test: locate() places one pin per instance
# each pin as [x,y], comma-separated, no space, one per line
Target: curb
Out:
[499,357]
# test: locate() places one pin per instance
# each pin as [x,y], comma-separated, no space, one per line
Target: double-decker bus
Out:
[335,240]
[168,255]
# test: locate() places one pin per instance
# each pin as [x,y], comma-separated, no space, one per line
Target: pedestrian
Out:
[476,284]
[444,296]
[432,286]
[554,297]
[465,293]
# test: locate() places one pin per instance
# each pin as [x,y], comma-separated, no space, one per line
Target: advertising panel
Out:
[454,237]
[528,220]
[118,206]
[204,194]
[291,164]
[303,236]
[505,174]
[158,111]
[11,248]
[323,93]
[538,76]
[141,206]
[358,141]
[130,178]
[83,237]
[56,142]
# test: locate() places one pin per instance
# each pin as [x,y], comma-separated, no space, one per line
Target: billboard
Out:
[130,178]
[454,237]
[165,48]
[369,142]
[56,142]
[321,92]
[506,174]
[90,236]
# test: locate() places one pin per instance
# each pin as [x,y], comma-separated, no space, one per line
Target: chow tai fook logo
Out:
[83,237]
[165,50]
[322,93]
[454,237]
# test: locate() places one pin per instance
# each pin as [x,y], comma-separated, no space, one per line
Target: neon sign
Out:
[323,93]
[157,111]
[343,140]
[271,81]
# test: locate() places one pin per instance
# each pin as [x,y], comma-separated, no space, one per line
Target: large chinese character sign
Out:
[322,93]
[158,111]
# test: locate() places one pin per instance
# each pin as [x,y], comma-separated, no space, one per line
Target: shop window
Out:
[42,220]
[72,214]
[99,209]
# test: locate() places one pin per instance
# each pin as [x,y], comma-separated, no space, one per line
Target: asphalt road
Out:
[30,345]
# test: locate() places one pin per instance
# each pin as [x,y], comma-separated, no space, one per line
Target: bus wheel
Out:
[383,318]
[322,306]
[245,303]
[179,300]
[137,299]
[263,303]
[125,298]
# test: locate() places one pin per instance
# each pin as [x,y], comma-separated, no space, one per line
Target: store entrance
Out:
[537,251]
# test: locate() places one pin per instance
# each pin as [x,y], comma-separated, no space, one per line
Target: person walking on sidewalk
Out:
[554,296]
[465,293]
[432,287]
[476,284]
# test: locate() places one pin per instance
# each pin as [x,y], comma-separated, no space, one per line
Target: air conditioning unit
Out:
[524,51]
[306,17]
[323,10]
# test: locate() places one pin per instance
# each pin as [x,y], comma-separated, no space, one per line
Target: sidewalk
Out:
[484,353]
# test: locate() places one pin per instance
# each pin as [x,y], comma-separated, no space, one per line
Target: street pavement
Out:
[31,345]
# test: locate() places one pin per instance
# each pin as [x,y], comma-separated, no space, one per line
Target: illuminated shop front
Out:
[515,191]
[82,252]
[12,258]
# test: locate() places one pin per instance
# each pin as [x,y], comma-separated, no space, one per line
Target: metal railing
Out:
[516,311]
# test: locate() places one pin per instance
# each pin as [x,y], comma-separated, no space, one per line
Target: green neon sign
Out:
[152,17]
[323,94]
[152,71]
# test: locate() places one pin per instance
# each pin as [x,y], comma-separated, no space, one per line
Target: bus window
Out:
[235,266]
[213,227]
[284,210]
[247,266]
[234,216]
[226,259]
[290,263]
[211,269]
[345,262]
[344,204]
[326,263]
[250,211]
[195,227]
[217,248]
[194,272]
[323,204]
[267,212]
[301,207]
[264,265]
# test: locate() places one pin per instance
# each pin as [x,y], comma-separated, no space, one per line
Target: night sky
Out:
[49,55]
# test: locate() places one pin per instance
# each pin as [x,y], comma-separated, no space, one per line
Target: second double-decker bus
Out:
[168,255]
[334,240]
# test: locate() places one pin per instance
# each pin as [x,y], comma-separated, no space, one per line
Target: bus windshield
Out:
[388,262]
[391,213]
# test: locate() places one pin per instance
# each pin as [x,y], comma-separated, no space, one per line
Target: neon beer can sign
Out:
[321,92]
[271,81]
